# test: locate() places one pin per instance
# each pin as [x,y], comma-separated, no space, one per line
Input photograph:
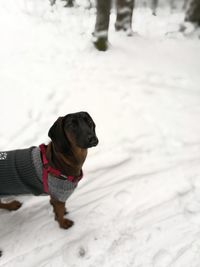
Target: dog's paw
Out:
[14,205]
[66,223]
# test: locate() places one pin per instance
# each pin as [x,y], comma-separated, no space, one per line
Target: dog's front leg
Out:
[14,205]
[60,211]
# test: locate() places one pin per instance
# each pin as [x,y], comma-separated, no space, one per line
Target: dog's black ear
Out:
[58,136]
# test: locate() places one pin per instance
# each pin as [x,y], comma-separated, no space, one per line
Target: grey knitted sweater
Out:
[21,174]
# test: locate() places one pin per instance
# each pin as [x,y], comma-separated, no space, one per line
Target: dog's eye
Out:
[90,123]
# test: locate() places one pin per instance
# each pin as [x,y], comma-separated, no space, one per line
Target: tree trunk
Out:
[124,15]
[123,21]
[100,34]
[154,5]
[193,13]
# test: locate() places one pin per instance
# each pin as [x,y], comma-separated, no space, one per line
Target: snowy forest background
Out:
[139,202]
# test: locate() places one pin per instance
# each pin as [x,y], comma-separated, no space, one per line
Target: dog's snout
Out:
[92,139]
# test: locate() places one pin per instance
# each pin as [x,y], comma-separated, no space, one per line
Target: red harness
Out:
[48,169]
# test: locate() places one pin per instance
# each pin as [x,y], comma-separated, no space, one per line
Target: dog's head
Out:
[75,129]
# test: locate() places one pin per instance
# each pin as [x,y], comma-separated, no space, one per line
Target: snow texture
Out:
[139,202]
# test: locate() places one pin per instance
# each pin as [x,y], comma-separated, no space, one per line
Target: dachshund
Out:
[54,169]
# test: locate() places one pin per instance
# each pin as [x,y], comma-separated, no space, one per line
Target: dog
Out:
[54,169]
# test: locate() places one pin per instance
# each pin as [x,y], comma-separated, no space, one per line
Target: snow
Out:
[139,202]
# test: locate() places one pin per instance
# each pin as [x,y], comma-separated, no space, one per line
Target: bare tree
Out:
[193,13]
[69,3]
[123,21]
[154,5]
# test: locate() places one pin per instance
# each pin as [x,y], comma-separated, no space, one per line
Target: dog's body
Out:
[18,174]
[71,136]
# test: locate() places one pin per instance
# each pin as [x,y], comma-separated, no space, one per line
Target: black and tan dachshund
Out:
[54,169]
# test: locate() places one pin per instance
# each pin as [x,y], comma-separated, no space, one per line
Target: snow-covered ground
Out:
[139,202]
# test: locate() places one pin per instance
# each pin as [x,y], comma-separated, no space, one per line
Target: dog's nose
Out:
[93,140]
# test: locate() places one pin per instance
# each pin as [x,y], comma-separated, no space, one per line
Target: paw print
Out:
[3,155]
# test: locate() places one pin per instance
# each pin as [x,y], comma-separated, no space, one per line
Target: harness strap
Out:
[48,169]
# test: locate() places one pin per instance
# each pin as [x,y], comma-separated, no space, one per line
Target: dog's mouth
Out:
[90,143]
[94,143]
[93,140]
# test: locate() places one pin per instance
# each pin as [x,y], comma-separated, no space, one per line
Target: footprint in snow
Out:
[82,252]
[162,259]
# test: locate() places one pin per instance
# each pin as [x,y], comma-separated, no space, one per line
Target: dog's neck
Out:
[69,163]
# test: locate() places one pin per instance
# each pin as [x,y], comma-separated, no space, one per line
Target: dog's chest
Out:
[60,189]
